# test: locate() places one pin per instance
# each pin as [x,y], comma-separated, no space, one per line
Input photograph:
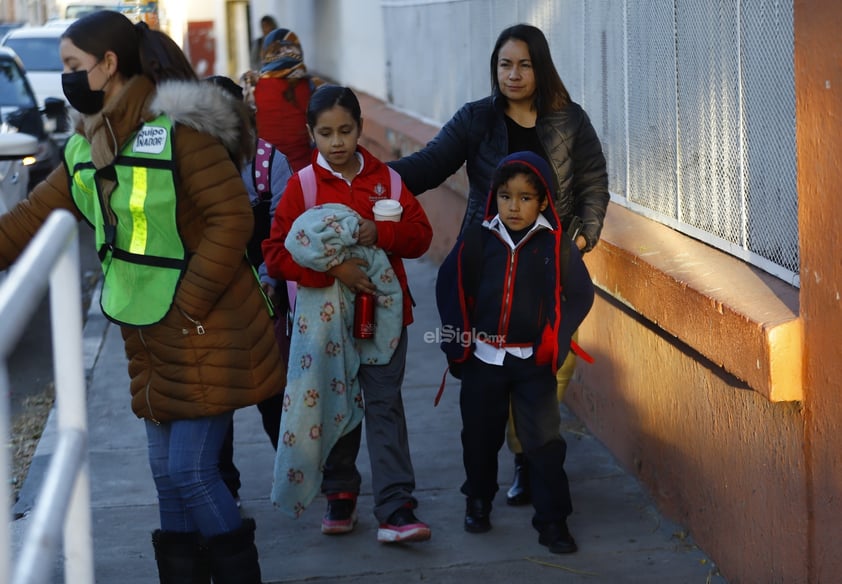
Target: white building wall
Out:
[230,30]
[343,40]
[424,56]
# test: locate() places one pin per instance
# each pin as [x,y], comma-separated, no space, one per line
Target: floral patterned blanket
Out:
[323,400]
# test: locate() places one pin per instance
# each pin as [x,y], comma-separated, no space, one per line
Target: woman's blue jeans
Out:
[184,458]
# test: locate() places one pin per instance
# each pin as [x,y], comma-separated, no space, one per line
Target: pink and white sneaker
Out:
[403,525]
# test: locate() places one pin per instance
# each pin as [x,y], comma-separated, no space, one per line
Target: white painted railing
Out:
[62,513]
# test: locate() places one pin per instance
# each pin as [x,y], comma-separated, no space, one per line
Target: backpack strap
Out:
[395,185]
[262,163]
[292,291]
[307,176]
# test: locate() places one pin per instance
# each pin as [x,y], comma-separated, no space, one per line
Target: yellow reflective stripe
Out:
[77,179]
[136,201]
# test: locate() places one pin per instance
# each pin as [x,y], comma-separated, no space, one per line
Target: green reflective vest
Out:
[142,254]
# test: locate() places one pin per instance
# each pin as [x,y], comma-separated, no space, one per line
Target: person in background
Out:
[529,109]
[282,90]
[265,177]
[337,381]
[523,330]
[171,220]
[267,25]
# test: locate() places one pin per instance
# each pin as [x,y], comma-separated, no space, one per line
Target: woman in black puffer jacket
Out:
[529,109]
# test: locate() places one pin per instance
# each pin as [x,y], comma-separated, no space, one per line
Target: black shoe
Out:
[557,538]
[518,493]
[477,515]
[341,514]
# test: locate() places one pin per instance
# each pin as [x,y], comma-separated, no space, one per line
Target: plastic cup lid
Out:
[387,207]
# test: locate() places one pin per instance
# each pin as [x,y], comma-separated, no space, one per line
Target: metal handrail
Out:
[62,513]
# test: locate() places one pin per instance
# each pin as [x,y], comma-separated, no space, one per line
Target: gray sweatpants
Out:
[392,476]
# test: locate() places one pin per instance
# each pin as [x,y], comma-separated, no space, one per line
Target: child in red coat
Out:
[347,174]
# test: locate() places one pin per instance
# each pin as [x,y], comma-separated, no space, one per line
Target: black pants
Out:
[270,409]
[270,412]
[484,401]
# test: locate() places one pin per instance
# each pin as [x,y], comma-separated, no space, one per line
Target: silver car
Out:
[13,174]
[19,112]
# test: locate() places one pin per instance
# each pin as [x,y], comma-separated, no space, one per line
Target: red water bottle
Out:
[364,323]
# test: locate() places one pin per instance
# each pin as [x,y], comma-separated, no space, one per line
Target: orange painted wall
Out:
[716,457]
[818,79]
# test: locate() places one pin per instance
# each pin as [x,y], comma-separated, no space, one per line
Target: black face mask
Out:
[79,94]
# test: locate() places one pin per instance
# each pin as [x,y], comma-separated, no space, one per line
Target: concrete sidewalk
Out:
[622,537]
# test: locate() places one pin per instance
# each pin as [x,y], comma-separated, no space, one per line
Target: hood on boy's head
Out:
[538,166]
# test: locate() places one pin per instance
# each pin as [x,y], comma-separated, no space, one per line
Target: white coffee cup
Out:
[387,210]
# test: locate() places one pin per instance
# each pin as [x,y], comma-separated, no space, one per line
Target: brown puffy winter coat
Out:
[175,371]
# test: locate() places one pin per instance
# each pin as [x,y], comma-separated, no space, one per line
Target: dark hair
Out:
[550,92]
[229,85]
[245,149]
[106,30]
[269,20]
[139,50]
[328,96]
[160,57]
[504,173]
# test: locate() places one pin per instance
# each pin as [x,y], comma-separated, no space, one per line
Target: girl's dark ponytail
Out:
[160,58]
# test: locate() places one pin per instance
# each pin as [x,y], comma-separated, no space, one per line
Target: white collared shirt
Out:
[320,160]
[496,224]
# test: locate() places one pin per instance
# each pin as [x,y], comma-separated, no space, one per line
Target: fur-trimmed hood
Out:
[209,109]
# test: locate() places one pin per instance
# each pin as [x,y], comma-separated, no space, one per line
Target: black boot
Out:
[556,536]
[478,515]
[181,558]
[519,491]
[233,556]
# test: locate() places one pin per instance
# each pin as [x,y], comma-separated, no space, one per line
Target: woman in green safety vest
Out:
[150,168]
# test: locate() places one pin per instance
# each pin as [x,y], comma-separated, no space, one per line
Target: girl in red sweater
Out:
[346,173]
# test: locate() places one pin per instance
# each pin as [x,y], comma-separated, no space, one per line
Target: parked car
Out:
[19,112]
[5,27]
[61,23]
[80,9]
[13,174]
[38,48]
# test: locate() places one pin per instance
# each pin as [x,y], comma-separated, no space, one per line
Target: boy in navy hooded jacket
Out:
[510,295]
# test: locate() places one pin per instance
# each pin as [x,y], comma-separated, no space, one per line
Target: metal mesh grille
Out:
[694,101]
[604,88]
[708,113]
[770,192]
[652,124]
